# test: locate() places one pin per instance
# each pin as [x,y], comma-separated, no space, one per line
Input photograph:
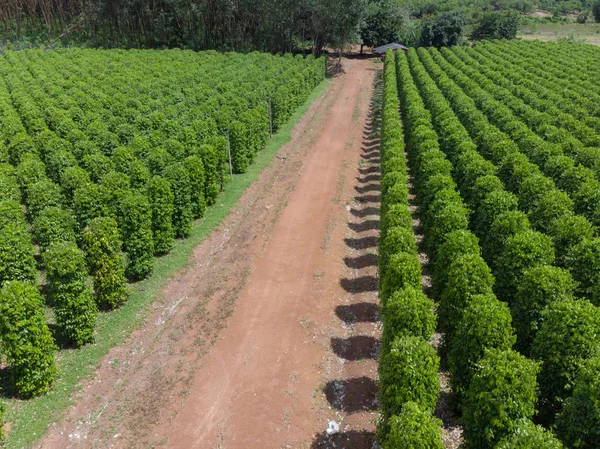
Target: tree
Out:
[497,25]
[336,23]
[382,22]
[596,11]
[444,30]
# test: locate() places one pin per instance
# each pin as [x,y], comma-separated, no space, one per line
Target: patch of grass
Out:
[30,419]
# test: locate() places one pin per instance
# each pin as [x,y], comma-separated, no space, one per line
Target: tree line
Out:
[236,25]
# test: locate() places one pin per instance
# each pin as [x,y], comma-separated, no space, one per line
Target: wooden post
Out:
[229,151]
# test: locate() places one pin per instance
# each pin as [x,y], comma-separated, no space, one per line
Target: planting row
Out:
[551,326]
[105,158]
[408,369]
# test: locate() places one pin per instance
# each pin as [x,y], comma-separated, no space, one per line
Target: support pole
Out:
[229,151]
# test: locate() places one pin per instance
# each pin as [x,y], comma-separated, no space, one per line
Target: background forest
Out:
[269,25]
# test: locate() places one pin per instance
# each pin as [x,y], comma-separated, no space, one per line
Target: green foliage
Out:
[195,169]
[397,240]
[596,11]
[567,337]
[407,312]
[539,287]
[43,194]
[16,254]
[29,171]
[497,25]
[402,270]
[54,224]
[413,428]
[71,179]
[578,425]
[408,372]
[70,292]
[493,205]
[502,228]
[87,204]
[181,186]
[522,251]
[567,232]
[213,172]
[456,244]
[161,200]
[136,230]
[11,213]
[584,263]
[529,436]
[114,188]
[502,393]
[102,245]
[486,323]
[468,276]
[444,30]
[26,341]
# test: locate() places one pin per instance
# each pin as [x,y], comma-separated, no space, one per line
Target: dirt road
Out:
[273,330]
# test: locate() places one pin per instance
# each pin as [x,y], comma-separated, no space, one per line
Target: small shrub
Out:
[397,215]
[522,251]
[397,240]
[502,393]
[403,269]
[57,162]
[29,171]
[181,187]
[502,228]
[43,194]
[493,205]
[70,292]
[567,232]
[451,217]
[136,230]
[139,175]
[407,312]
[567,337]
[408,372]
[413,428]
[195,168]
[114,187]
[26,341]
[213,171]
[102,245]
[486,323]
[553,205]
[161,202]
[529,436]
[73,178]
[456,244]
[12,213]
[16,254]
[584,264]
[468,276]
[54,224]
[88,204]
[578,425]
[539,287]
